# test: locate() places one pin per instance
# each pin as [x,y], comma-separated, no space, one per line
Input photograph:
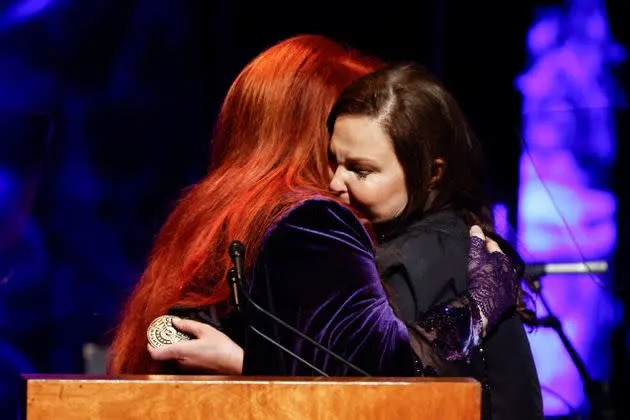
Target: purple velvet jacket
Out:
[317,272]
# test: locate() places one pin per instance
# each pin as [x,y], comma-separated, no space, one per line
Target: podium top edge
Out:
[241,379]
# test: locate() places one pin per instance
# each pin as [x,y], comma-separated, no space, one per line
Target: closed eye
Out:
[360,172]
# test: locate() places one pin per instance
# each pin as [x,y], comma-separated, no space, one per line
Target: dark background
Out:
[133,87]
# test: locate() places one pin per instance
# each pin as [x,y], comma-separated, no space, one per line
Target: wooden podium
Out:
[229,397]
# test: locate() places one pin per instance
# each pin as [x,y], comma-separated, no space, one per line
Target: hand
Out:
[210,350]
[493,281]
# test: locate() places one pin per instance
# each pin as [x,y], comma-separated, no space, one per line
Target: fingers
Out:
[188,326]
[475,230]
[202,355]
[185,354]
[478,238]
[170,352]
[492,246]
[477,241]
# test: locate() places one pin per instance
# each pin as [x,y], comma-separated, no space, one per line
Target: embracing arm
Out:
[321,274]
[452,329]
[316,272]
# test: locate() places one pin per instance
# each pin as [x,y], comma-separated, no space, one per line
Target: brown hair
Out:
[425,123]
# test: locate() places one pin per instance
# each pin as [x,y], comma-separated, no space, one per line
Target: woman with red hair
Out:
[310,261]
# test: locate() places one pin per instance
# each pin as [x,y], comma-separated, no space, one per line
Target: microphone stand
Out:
[597,392]
[235,278]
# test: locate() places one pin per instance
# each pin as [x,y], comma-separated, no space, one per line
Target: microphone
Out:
[533,272]
[233,282]
[236,276]
[597,392]
[588,267]
[237,254]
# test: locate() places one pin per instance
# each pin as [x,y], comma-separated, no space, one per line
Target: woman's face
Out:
[365,170]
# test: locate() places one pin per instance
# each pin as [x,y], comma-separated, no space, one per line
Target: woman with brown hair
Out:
[404,154]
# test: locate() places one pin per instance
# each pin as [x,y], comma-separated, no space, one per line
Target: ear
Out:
[437,172]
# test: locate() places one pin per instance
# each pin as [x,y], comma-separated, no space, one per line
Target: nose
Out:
[337,184]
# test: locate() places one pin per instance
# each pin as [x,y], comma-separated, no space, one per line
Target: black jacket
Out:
[427,264]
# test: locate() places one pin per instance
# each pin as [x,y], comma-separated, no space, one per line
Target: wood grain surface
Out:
[217,397]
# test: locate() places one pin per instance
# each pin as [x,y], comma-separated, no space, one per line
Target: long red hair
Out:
[269,152]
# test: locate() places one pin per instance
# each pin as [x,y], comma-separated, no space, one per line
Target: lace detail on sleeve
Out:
[493,283]
[448,332]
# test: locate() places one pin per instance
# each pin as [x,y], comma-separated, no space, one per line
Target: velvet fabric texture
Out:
[316,271]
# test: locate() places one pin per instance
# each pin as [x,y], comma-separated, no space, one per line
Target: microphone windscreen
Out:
[236,249]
